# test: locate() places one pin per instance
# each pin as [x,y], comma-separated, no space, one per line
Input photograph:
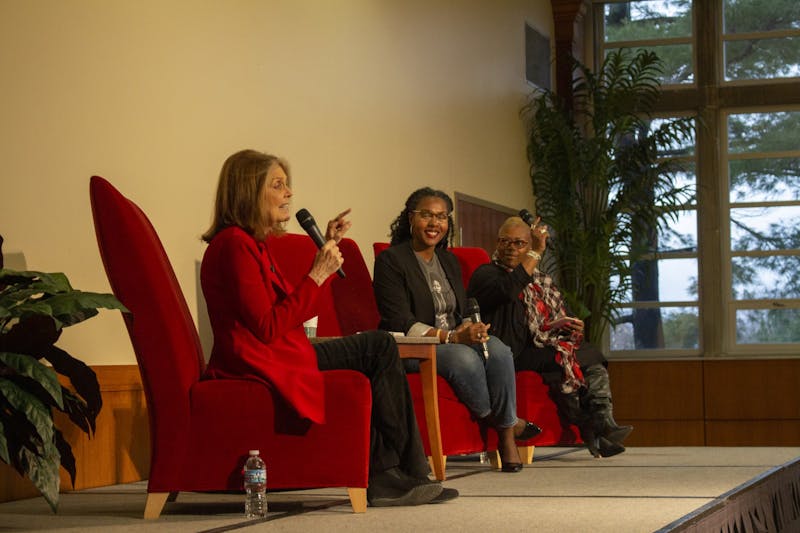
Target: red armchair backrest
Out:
[469,258]
[347,305]
[160,326]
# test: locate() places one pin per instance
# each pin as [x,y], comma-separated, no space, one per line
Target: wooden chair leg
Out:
[154,504]
[526,454]
[494,459]
[440,467]
[358,499]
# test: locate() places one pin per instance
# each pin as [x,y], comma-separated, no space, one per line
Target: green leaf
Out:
[29,367]
[4,453]
[77,306]
[42,470]
[52,283]
[66,455]
[30,407]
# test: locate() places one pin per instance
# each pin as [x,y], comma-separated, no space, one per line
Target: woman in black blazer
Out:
[419,292]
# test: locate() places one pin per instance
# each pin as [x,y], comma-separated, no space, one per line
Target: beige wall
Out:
[368,99]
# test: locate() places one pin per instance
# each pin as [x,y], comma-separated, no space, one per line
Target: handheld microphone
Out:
[526,215]
[474,313]
[308,223]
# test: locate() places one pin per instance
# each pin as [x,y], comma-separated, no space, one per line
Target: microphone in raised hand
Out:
[474,314]
[527,216]
[532,221]
[308,223]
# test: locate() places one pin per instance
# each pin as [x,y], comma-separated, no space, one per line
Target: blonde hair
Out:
[237,203]
[512,222]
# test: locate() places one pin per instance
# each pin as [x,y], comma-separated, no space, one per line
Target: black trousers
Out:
[394,435]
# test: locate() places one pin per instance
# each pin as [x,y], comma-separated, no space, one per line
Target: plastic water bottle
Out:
[255,485]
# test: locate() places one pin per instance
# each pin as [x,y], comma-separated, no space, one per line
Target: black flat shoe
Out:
[511,467]
[528,432]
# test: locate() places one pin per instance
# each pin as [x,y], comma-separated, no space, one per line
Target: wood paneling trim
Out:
[115,378]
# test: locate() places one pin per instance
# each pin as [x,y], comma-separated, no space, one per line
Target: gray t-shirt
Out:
[444,299]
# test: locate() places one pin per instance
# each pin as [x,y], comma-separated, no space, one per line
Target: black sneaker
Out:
[445,496]
[381,496]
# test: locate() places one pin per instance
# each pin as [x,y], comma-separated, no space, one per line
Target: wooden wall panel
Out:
[657,390]
[752,389]
[665,432]
[753,433]
[477,221]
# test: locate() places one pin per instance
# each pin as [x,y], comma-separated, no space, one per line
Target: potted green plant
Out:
[34,308]
[601,180]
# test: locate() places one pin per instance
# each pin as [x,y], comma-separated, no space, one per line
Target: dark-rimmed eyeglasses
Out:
[426,215]
[516,243]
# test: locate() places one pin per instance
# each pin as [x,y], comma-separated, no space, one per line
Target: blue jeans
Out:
[487,387]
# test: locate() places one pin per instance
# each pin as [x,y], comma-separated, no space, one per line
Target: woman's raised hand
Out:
[539,234]
[338,226]
[327,261]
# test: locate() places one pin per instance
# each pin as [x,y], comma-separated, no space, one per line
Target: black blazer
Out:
[402,292]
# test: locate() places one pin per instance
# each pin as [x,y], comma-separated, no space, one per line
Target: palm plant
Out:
[601,181]
[34,308]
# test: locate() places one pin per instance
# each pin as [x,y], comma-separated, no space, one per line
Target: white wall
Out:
[367,99]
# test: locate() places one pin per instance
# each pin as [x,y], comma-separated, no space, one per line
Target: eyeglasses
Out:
[426,215]
[518,243]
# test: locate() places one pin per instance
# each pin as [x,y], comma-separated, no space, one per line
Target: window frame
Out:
[713,98]
[733,305]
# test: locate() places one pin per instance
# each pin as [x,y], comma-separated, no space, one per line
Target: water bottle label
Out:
[258,475]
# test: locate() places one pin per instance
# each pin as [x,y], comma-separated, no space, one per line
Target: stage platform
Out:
[565,490]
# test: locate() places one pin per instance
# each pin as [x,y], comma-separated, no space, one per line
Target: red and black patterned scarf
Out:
[544,305]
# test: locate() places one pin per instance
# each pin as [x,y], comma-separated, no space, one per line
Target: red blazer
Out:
[257,320]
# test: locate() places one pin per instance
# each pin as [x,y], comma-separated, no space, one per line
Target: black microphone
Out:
[526,215]
[474,313]
[308,223]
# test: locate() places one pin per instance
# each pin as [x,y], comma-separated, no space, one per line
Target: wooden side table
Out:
[424,349]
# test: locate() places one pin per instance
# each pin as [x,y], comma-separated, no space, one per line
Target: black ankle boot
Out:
[590,440]
[608,448]
[608,428]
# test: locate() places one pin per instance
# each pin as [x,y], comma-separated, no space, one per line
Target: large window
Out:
[763,240]
[662,310]
[726,278]
[664,26]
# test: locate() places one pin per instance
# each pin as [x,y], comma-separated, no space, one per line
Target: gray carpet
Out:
[565,489]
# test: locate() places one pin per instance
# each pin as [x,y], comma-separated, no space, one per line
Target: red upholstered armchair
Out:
[200,431]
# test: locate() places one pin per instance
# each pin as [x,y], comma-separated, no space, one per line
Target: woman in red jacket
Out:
[257,320]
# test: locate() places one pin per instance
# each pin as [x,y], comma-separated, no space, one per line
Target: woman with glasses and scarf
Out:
[528,313]
[419,292]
